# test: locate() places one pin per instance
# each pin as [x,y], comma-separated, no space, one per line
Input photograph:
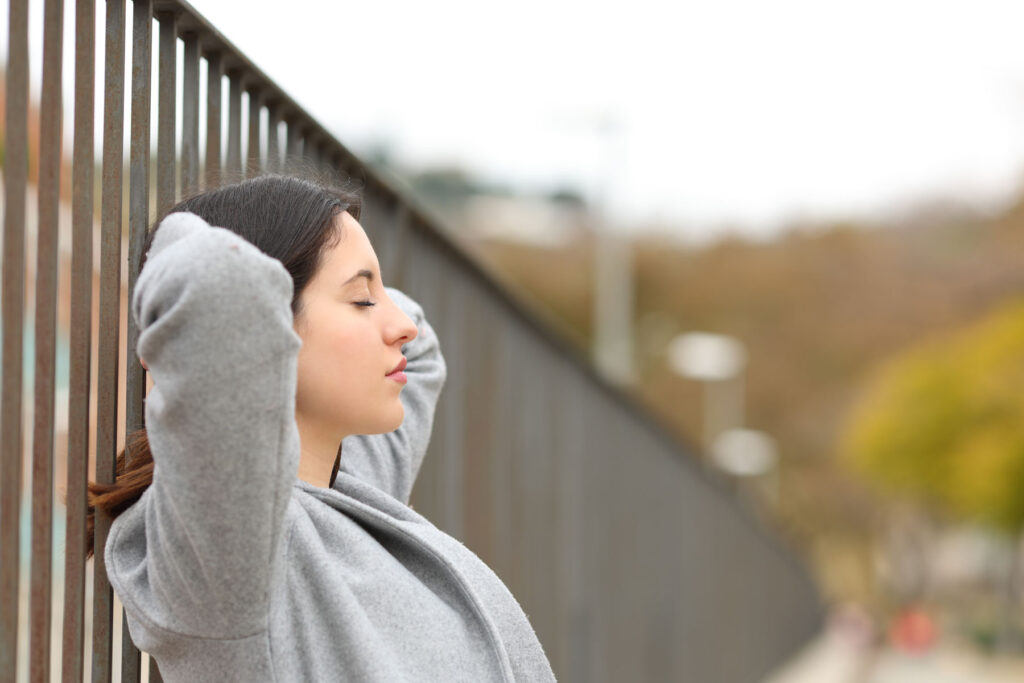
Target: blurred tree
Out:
[944,423]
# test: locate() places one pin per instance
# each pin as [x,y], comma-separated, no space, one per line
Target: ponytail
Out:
[134,475]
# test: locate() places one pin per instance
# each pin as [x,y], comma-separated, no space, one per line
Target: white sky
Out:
[740,112]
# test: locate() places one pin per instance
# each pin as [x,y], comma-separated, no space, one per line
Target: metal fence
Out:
[632,561]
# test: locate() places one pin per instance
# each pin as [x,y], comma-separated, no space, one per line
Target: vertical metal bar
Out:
[138,193]
[397,243]
[233,163]
[50,106]
[311,150]
[15,176]
[213,116]
[273,137]
[109,323]
[338,165]
[81,340]
[190,116]
[253,156]
[323,161]
[135,389]
[165,147]
[327,157]
[293,143]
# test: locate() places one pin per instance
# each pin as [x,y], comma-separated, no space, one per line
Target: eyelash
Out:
[366,304]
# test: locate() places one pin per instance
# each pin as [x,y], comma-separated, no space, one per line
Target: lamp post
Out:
[718,361]
[613,267]
[613,291]
[749,455]
[744,452]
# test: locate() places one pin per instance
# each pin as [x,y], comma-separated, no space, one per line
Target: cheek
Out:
[341,381]
[337,360]
[326,351]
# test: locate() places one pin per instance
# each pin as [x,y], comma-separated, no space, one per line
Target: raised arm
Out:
[216,332]
[391,461]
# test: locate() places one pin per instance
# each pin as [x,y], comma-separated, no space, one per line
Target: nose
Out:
[401,328]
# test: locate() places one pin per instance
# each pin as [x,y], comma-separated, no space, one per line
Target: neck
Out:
[319,449]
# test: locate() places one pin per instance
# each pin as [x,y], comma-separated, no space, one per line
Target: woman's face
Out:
[348,345]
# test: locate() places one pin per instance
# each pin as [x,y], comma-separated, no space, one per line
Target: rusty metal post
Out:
[110,245]
[273,137]
[166,193]
[252,161]
[312,147]
[213,118]
[293,143]
[167,101]
[46,342]
[11,441]
[109,323]
[139,190]
[190,116]
[233,163]
[79,397]
[138,221]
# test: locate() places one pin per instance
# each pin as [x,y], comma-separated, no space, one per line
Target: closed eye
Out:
[365,303]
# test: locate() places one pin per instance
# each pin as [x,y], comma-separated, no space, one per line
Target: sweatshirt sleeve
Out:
[392,461]
[215,325]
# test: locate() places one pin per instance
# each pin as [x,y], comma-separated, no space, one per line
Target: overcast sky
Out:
[699,113]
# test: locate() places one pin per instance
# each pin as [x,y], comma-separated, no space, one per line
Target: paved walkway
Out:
[839,656]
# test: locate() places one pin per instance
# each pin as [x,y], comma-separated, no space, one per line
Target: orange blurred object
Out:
[913,630]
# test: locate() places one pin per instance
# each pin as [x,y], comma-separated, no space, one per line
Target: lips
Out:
[401,366]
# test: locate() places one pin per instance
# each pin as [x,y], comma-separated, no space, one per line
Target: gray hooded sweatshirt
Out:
[230,568]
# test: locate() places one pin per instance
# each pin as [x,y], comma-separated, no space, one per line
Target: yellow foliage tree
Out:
[944,422]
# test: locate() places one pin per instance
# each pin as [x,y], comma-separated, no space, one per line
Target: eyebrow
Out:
[362,273]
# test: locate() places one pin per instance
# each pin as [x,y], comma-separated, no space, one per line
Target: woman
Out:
[260,551]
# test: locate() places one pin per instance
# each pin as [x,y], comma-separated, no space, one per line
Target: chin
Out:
[389,421]
[399,418]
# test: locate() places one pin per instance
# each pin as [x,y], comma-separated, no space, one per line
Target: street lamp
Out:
[744,452]
[718,361]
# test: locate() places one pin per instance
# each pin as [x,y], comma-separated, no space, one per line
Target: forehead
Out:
[352,252]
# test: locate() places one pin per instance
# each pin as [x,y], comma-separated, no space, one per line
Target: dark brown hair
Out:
[286,217]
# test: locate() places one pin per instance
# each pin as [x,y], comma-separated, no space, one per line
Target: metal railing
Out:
[632,561]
